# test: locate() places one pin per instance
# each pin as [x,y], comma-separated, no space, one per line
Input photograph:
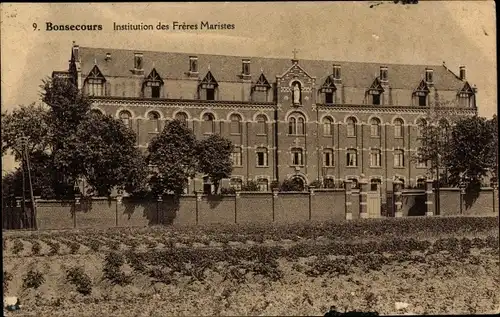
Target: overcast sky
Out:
[456,32]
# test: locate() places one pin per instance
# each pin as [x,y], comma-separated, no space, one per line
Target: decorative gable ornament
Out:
[329,85]
[96,73]
[422,89]
[153,79]
[262,84]
[376,87]
[466,90]
[209,82]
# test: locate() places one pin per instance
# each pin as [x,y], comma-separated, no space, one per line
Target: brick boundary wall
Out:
[245,207]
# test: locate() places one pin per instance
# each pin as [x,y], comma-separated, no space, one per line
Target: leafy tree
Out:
[103,151]
[471,151]
[173,155]
[214,158]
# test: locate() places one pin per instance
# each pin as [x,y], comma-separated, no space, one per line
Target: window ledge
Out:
[401,167]
[352,166]
[261,134]
[296,165]
[351,136]
[262,166]
[296,135]
[375,166]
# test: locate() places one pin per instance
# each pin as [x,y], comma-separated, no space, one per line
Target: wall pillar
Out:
[429,198]
[198,199]
[275,196]
[363,192]
[398,198]
[311,193]
[236,198]
[348,199]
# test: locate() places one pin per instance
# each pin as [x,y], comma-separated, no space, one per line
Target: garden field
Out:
[432,265]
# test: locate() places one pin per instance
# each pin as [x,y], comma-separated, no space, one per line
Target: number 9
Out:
[34,26]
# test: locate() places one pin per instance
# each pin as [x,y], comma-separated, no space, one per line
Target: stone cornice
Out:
[179,103]
[357,108]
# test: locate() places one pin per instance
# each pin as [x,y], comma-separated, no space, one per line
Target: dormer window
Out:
[337,72]
[260,90]
[95,83]
[138,61]
[421,94]
[208,87]
[429,76]
[245,71]
[383,74]
[375,91]
[328,90]
[466,96]
[153,85]
[193,64]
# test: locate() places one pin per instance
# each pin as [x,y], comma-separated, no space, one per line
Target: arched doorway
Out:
[298,183]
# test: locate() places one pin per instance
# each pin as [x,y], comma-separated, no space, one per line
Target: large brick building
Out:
[288,118]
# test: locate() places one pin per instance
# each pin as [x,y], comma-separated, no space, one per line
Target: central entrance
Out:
[298,183]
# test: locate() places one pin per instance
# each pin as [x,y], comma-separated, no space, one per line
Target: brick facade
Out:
[309,132]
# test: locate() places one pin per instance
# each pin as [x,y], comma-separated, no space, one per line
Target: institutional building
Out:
[288,118]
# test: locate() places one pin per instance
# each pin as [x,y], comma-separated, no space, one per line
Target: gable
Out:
[328,85]
[209,81]
[262,81]
[96,73]
[422,87]
[376,85]
[154,76]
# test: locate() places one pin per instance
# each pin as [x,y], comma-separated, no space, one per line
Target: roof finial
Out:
[153,64]
[208,66]
[95,61]
[261,70]
[295,53]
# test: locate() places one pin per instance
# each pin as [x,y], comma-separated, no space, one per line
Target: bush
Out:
[33,279]
[250,186]
[316,184]
[74,247]
[18,247]
[36,247]
[7,277]
[227,191]
[78,277]
[94,245]
[112,269]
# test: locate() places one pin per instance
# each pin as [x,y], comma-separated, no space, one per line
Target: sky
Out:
[430,32]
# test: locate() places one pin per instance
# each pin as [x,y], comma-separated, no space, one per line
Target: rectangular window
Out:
[236,183]
[138,61]
[428,75]
[422,101]
[262,157]
[336,72]
[210,94]
[95,87]
[329,97]
[352,158]
[399,158]
[376,99]
[297,157]
[155,91]
[263,184]
[328,158]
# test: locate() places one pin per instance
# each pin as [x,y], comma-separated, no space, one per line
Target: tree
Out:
[103,152]
[250,186]
[173,155]
[214,158]
[291,185]
[471,152]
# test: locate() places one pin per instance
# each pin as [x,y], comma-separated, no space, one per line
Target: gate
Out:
[374,207]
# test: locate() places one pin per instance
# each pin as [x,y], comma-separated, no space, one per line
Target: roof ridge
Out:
[266,57]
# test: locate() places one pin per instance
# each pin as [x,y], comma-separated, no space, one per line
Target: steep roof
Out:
[171,65]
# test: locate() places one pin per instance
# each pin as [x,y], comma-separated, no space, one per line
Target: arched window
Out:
[329,183]
[297,157]
[351,127]
[154,119]
[236,183]
[421,124]
[96,112]
[421,183]
[296,124]
[292,125]
[398,128]
[125,116]
[301,126]
[236,156]
[375,127]
[235,124]
[208,123]
[327,126]
[263,184]
[182,117]
[375,183]
[261,124]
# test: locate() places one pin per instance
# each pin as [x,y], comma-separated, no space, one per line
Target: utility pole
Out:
[33,203]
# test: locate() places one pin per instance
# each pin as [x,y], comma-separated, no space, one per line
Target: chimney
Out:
[337,72]
[429,76]
[108,57]
[462,73]
[138,62]
[76,51]
[383,74]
